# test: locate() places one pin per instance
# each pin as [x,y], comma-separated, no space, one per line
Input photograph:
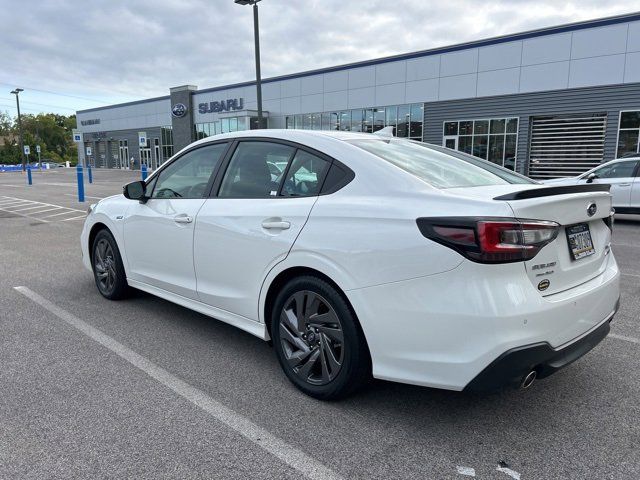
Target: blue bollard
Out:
[89,172]
[143,170]
[80,183]
[29,175]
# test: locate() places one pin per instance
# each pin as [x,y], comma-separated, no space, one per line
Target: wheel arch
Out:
[284,276]
[97,227]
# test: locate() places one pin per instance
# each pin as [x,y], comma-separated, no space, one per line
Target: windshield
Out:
[439,166]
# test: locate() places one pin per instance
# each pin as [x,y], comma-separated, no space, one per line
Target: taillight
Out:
[490,240]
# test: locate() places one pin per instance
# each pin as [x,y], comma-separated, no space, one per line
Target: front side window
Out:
[305,175]
[616,170]
[438,166]
[251,172]
[188,176]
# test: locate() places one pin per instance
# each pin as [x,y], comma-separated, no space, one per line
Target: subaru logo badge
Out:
[179,110]
[592,209]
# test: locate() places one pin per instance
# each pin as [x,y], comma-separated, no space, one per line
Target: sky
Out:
[71,55]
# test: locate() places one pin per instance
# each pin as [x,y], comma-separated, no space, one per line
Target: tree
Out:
[51,131]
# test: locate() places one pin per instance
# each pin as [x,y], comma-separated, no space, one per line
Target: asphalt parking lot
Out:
[143,388]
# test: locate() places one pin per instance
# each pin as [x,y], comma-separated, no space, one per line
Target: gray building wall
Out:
[107,143]
[608,99]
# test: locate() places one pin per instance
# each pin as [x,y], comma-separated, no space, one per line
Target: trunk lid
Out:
[554,268]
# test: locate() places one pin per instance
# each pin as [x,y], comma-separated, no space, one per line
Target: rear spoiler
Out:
[559,190]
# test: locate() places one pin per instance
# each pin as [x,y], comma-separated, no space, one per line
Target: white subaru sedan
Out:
[623,174]
[367,256]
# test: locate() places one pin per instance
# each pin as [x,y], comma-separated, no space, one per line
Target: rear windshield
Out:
[439,166]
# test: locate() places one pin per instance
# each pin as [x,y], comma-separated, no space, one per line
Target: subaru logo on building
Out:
[592,209]
[179,110]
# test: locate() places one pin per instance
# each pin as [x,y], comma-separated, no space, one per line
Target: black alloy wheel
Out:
[318,340]
[108,270]
[312,337]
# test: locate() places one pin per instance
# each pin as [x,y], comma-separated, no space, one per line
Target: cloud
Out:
[117,49]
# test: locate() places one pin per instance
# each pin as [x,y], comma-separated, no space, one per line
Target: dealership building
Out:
[547,103]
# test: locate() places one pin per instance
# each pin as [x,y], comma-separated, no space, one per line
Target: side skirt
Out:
[254,328]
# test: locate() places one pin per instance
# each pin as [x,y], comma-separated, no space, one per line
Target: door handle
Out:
[624,184]
[183,219]
[275,225]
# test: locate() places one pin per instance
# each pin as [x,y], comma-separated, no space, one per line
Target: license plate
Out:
[580,243]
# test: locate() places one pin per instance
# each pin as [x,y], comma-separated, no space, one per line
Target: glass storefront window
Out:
[630,120]
[233,124]
[492,139]
[378,119]
[417,117]
[315,121]
[356,120]
[368,121]
[345,120]
[333,121]
[628,134]
[225,125]
[306,122]
[497,125]
[450,128]
[404,117]
[480,127]
[326,121]
[466,128]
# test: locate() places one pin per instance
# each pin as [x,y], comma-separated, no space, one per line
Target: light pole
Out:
[256,37]
[16,92]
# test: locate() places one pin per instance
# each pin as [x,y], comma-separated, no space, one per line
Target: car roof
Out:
[291,134]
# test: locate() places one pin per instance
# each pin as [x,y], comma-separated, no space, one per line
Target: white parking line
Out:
[25,216]
[30,208]
[43,203]
[17,204]
[61,213]
[74,218]
[466,471]
[288,453]
[48,210]
[625,338]
[86,196]
[630,275]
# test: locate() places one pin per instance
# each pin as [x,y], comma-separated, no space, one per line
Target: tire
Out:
[324,353]
[108,270]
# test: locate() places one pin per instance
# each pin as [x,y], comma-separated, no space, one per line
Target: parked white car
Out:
[367,256]
[622,174]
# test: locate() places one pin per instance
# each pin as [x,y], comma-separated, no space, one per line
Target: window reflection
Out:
[492,139]
[407,120]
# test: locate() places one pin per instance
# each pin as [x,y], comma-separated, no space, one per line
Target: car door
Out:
[158,234]
[635,190]
[620,175]
[252,221]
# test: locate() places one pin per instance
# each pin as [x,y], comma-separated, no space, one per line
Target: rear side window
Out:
[251,172]
[305,175]
[440,167]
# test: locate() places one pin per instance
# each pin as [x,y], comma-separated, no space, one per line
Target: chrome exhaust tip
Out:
[528,380]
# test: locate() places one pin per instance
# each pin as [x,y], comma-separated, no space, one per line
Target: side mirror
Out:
[135,191]
[591,177]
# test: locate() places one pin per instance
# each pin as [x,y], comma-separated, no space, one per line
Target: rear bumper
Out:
[510,368]
[442,331]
